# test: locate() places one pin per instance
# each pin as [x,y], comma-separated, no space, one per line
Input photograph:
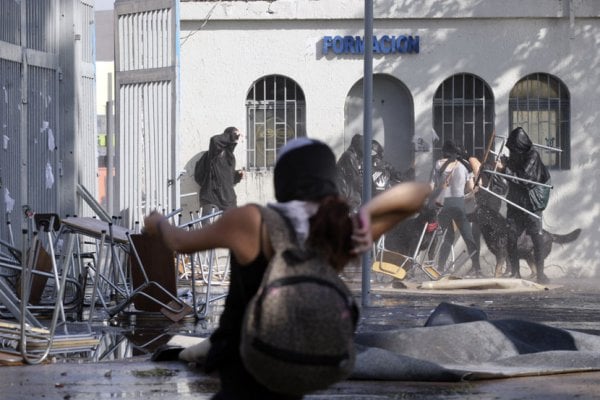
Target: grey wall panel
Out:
[10,22]
[87,144]
[10,144]
[42,140]
[146,107]
[47,108]
[86,30]
[146,40]
[41,19]
[86,135]
[145,148]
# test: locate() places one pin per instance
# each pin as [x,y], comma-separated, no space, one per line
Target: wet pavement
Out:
[122,367]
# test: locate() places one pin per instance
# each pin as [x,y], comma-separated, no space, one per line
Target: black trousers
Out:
[519,221]
[238,384]
[454,211]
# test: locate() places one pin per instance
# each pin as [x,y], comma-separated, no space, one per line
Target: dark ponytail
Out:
[331,231]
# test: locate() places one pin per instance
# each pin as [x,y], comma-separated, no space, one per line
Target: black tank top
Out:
[244,283]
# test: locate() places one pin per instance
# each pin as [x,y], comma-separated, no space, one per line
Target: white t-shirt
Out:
[459,175]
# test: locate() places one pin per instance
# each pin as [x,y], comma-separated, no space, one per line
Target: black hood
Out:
[518,141]
[449,149]
[376,149]
[357,144]
[305,170]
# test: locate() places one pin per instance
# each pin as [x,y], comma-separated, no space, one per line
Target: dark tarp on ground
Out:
[448,349]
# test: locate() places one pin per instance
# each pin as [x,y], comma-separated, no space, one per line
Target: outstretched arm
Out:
[238,229]
[394,205]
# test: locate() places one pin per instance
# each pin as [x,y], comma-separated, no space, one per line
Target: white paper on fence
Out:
[51,142]
[9,201]
[49,176]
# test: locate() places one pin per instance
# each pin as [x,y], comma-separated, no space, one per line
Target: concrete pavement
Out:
[570,304]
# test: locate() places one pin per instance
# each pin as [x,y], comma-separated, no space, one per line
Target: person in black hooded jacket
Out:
[350,172]
[524,162]
[217,188]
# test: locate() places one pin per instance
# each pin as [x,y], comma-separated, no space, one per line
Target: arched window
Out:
[463,111]
[540,104]
[275,113]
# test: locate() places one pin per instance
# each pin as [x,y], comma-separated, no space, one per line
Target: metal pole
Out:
[367,135]
[109,148]
[541,146]
[510,202]
[516,178]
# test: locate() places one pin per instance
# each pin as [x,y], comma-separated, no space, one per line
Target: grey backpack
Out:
[298,330]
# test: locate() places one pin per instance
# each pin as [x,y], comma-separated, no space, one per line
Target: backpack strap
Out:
[444,166]
[438,185]
[280,232]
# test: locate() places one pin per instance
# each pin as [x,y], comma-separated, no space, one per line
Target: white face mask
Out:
[298,213]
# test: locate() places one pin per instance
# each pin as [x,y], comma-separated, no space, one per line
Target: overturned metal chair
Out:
[31,339]
[206,263]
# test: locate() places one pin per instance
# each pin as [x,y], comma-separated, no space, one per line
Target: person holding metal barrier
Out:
[529,192]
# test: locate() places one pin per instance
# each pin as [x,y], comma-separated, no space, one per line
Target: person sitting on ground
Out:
[307,195]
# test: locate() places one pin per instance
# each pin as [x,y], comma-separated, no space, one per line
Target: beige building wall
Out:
[226,46]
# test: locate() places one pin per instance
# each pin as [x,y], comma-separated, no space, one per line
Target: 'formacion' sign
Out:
[385,44]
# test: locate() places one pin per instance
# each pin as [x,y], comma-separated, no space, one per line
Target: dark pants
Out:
[238,384]
[518,221]
[454,211]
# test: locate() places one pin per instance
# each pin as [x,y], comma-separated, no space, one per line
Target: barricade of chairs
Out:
[83,270]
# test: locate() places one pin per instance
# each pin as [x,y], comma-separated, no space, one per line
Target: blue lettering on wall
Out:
[360,45]
[401,44]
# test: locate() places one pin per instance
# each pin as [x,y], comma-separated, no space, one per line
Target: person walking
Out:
[451,177]
[525,162]
[308,198]
[219,176]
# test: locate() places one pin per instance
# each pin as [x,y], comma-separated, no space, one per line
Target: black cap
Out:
[305,170]
[449,149]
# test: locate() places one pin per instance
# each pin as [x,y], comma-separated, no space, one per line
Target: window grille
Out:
[463,111]
[539,103]
[275,113]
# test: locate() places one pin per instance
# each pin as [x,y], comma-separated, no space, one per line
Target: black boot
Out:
[515,270]
[474,273]
[540,277]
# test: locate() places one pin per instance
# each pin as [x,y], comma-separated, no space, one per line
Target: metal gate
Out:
[47,109]
[146,104]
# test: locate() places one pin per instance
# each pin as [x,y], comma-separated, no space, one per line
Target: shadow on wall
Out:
[189,191]
[573,203]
